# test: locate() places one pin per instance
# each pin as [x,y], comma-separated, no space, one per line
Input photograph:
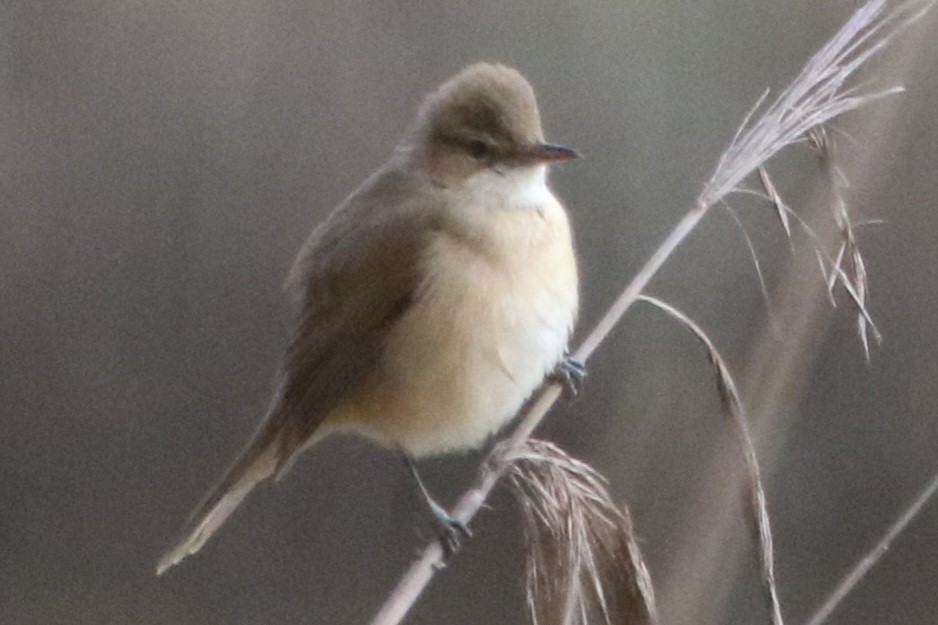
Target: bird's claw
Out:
[453,532]
[571,373]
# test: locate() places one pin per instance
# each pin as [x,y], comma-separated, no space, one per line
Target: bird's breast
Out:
[493,314]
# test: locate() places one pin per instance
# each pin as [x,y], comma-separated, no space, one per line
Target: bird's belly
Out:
[468,353]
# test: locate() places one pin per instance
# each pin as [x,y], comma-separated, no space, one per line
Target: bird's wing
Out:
[355,275]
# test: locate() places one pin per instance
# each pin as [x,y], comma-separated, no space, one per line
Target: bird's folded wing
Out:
[354,277]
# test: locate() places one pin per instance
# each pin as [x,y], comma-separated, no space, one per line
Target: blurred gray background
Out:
[161,162]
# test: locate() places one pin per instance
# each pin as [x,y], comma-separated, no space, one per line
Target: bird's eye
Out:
[477,149]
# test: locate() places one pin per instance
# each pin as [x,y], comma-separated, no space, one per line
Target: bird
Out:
[432,302]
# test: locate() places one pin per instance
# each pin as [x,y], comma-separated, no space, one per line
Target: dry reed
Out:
[818,95]
[583,561]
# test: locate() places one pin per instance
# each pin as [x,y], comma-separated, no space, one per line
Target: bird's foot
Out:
[571,373]
[452,530]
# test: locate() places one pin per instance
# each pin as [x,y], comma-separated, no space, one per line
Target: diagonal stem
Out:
[815,97]
[857,573]
[431,558]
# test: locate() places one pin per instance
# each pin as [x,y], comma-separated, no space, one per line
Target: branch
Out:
[815,97]
[757,508]
[861,568]
[422,570]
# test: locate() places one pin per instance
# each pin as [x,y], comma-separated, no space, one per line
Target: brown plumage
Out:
[432,300]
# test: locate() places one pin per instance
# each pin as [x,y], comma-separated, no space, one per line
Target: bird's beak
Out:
[548,154]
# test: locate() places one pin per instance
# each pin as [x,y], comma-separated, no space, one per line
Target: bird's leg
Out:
[570,372]
[453,530]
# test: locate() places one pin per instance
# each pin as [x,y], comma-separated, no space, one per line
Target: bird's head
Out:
[484,118]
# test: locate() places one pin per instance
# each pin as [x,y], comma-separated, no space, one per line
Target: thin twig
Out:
[867,562]
[733,409]
[780,207]
[753,254]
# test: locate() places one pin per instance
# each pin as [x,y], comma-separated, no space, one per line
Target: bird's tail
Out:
[256,463]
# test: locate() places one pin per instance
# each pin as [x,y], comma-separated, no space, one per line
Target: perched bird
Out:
[433,300]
